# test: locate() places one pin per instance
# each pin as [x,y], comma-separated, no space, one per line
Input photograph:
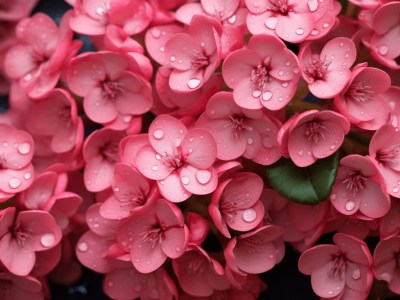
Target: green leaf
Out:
[309,185]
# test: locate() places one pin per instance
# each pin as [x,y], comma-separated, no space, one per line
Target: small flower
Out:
[179,159]
[312,135]
[153,235]
[359,188]
[24,233]
[361,101]
[263,75]
[194,55]
[327,71]
[235,203]
[335,270]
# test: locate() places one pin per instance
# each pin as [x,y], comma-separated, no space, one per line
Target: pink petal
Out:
[295,27]
[200,148]
[98,174]
[14,181]
[146,258]
[355,250]
[151,164]
[358,277]
[300,147]
[316,257]
[325,285]
[180,51]
[172,188]
[333,138]
[218,220]
[343,52]
[223,8]
[185,13]
[98,108]
[186,81]
[175,241]
[246,95]
[374,202]
[246,219]
[333,83]
[198,181]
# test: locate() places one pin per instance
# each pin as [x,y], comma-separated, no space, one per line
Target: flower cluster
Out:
[174,158]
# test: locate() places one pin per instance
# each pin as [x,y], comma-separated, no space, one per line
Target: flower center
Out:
[360,91]
[314,131]
[197,264]
[237,123]
[355,182]
[154,234]
[104,9]
[132,198]
[20,235]
[260,76]
[111,89]
[338,267]
[201,60]
[388,155]
[64,116]
[174,161]
[317,69]
[279,6]
[110,152]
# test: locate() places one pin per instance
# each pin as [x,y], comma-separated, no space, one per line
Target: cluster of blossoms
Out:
[129,159]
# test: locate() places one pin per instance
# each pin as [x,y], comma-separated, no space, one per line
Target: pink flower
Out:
[112,86]
[386,31]
[235,203]
[384,149]
[361,101]
[255,252]
[386,262]
[292,21]
[359,188]
[100,152]
[239,131]
[389,224]
[153,235]
[128,283]
[179,159]
[37,59]
[327,71]
[198,274]
[263,75]
[194,55]
[92,17]
[391,96]
[56,117]
[198,228]
[24,233]
[340,269]
[16,152]
[19,287]
[312,135]
[131,193]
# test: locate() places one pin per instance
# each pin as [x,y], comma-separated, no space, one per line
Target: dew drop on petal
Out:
[312,5]
[158,134]
[116,189]
[326,25]
[172,58]
[156,33]
[158,156]
[14,183]
[48,240]
[5,144]
[383,50]
[83,247]
[203,176]
[356,274]
[280,73]
[395,190]
[28,77]
[177,249]
[330,292]
[162,49]
[127,119]
[249,141]
[314,32]
[267,96]
[193,83]
[256,93]
[232,19]
[27,176]
[271,22]
[333,197]
[110,283]
[154,168]
[347,55]
[249,215]
[299,31]
[296,70]
[350,205]
[341,44]
[332,147]
[285,84]
[185,180]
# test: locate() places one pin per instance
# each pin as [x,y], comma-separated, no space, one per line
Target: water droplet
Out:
[110,283]
[249,215]
[296,70]
[28,77]
[383,50]
[256,93]
[48,240]
[203,176]
[156,33]
[332,147]
[158,156]
[271,22]
[193,83]
[27,176]
[177,249]
[300,153]
[341,44]
[154,168]
[100,11]
[312,5]
[330,292]
[83,247]
[267,96]
[158,134]
[127,119]
[116,189]
[185,180]
[232,19]
[172,58]
[14,183]
[333,197]
[162,182]
[280,99]
[202,44]
[299,31]
[350,205]
[162,49]
[356,274]
[347,55]
[280,73]
[249,141]
[314,32]
[5,144]
[395,190]
[285,84]
[326,25]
